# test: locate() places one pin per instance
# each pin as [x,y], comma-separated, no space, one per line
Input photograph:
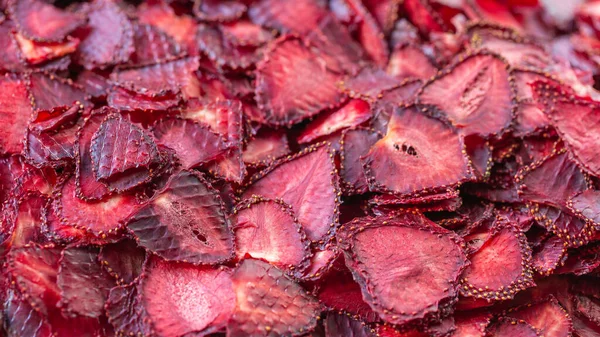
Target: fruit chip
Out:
[16,113]
[299,17]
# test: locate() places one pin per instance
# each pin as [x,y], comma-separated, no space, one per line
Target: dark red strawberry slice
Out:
[223,116]
[38,53]
[183,299]
[101,217]
[298,17]
[123,260]
[34,270]
[110,37]
[500,267]
[218,10]
[480,154]
[177,75]
[404,285]
[353,113]
[548,317]
[552,180]
[269,303]
[125,311]
[401,94]
[21,319]
[507,327]
[573,230]
[15,113]
[119,148]
[194,143]
[267,230]
[355,143]
[40,21]
[185,222]
[11,58]
[368,84]
[340,325]
[182,27]
[492,11]
[431,151]
[581,261]
[54,100]
[244,33]
[483,100]
[585,205]
[152,45]
[87,186]
[265,147]
[322,260]
[307,181]
[83,284]
[369,33]
[549,255]
[124,99]
[25,226]
[225,55]
[94,84]
[410,61]
[472,324]
[289,66]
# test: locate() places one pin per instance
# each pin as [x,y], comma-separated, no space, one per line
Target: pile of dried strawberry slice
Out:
[309,168]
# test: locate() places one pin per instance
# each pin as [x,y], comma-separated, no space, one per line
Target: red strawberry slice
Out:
[300,16]
[265,147]
[25,226]
[573,230]
[506,327]
[472,324]
[289,66]
[548,317]
[110,39]
[385,12]
[11,58]
[492,11]
[229,167]
[223,116]
[181,299]
[219,10]
[321,261]
[355,144]
[480,154]
[306,181]
[340,325]
[123,260]
[353,113]
[124,99]
[267,230]
[185,222]
[269,303]
[38,53]
[94,84]
[410,61]
[426,147]
[125,311]
[401,94]
[245,33]
[194,143]
[369,33]
[581,261]
[182,28]
[83,285]
[422,15]
[40,21]
[101,217]
[549,255]
[408,284]
[152,45]
[584,205]
[500,267]
[225,55]
[21,319]
[119,148]
[15,113]
[481,103]
[368,84]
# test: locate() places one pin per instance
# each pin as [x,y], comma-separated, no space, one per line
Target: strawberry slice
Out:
[353,113]
[472,324]
[581,261]
[290,66]
[410,61]
[225,55]
[21,319]
[431,151]
[185,222]
[548,317]
[182,28]
[584,205]
[267,229]
[15,113]
[299,17]
[124,99]
[369,33]
[404,285]
[123,260]
[269,303]
[10,53]
[41,21]
[549,255]
[573,230]
[152,45]
[424,17]
[306,181]
[94,84]
[125,311]
[83,285]
[223,116]
[25,226]
[265,147]
[355,144]
[480,154]
[245,33]
[385,12]
[110,37]
[180,298]
[39,53]
[368,84]
[500,267]
[219,10]
[229,167]
[506,327]
[481,102]
[340,325]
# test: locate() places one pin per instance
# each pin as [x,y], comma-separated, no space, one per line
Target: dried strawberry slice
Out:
[26,224]
[182,28]
[585,206]
[213,44]
[368,84]
[307,181]
[229,167]
[123,260]
[340,325]
[355,144]
[10,53]
[573,230]
[269,302]
[548,317]
[83,285]
[300,16]
[267,229]
[101,217]
[289,66]
[404,285]
[265,147]
[218,10]
[94,84]
[194,143]
[471,324]
[87,186]
[124,99]
[369,34]
[152,45]
[125,311]
[51,96]
[549,255]
[410,61]
[223,116]
[185,222]
[353,113]
[34,270]
[581,261]
[175,76]
[15,112]
[507,327]
[110,37]
[424,17]
[500,267]
[552,180]
[38,53]
[385,12]
[181,299]
[244,33]
[21,319]
[416,143]
[483,100]
[40,21]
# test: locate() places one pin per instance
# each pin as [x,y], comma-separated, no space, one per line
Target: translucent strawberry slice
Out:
[298,17]
[482,102]
[548,317]
[416,143]
[185,222]
[223,116]
[52,96]
[15,113]
[180,298]
[269,303]
[573,230]
[123,260]
[229,167]
[308,183]
[584,205]
[40,21]
[423,17]
[355,144]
